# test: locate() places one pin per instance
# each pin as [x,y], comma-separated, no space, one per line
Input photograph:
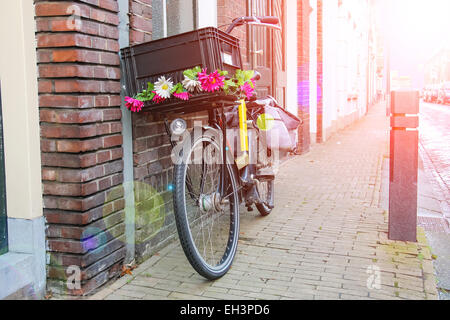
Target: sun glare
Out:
[421,21]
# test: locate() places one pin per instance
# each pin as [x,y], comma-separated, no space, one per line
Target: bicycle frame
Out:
[245,171]
[222,189]
[217,120]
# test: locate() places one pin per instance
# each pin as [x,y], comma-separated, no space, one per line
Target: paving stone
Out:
[130,293]
[322,241]
[148,292]
[184,296]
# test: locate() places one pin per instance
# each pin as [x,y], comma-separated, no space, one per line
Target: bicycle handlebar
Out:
[268,21]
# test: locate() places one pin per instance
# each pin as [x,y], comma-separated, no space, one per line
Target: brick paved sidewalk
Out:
[326,239]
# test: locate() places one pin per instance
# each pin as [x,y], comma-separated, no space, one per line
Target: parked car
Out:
[423,93]
[427,94]
[444,93]
[433,95]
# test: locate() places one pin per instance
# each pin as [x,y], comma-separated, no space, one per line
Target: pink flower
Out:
[183,95]
[133,104]
[203,76]
[211,82]
[248,89]
[157,98]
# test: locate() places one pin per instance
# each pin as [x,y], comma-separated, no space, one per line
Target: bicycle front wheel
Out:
[207,219]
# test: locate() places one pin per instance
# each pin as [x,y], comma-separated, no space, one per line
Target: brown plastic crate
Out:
[208,48]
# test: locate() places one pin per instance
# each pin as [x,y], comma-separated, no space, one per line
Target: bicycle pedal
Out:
[242,161]
[265,176]
[267,171]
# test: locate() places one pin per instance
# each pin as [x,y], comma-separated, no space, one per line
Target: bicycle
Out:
[211,180]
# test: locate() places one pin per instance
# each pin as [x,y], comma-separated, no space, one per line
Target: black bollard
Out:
[403,166]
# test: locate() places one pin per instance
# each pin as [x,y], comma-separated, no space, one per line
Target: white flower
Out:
[191,85]
[163,87]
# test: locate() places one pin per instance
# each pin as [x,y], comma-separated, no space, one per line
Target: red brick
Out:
[65,246]
[72,55]
[111,5]
[79,175]
[93,2]
[141,23]
[64,101]
[77,146]
[57,8]
[62,189]
[112,141]
[44,56]
[102,101]
[116,153]
[45,86]
[107,31]
[87,86]
[109,58]
[48,174]
[65,71]
[66,116]
[112,114]
[104,16]
[48,145]
[63,40]
[104,156]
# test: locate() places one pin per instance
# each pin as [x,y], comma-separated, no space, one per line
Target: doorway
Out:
[267,49]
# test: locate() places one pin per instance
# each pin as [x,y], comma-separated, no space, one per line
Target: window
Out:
[3,226]
[171,17]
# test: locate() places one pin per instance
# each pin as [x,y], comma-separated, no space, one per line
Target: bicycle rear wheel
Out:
[207,222]
[265,187]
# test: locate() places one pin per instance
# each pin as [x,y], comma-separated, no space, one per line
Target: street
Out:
[435,149]
[434,188]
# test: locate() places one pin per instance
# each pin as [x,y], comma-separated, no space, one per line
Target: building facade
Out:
[437,69]
[85,183]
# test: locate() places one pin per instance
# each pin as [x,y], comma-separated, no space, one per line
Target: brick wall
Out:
[153,168]
[227,10]
[319,136]
[140,21]
[81,140]
[151,158]
[303,11]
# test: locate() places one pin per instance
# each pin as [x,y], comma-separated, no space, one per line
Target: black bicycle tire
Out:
[263,209]
[182,224]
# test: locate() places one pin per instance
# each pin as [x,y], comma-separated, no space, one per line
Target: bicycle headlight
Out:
[178,127]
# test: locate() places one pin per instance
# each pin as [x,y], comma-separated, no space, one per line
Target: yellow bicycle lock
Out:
[243,160]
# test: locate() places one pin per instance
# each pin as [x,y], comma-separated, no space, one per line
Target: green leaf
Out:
[197,69]
[192,73]
[146,95]
[189,74]
[229,84]
[222,72]
[178,88]
[249,74]
[243,76]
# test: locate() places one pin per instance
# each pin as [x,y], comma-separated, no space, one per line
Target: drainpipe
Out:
[128,175]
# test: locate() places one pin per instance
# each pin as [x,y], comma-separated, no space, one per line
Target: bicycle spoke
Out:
[211,240]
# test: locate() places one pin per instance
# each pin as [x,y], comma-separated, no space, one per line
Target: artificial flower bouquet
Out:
[196,80]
